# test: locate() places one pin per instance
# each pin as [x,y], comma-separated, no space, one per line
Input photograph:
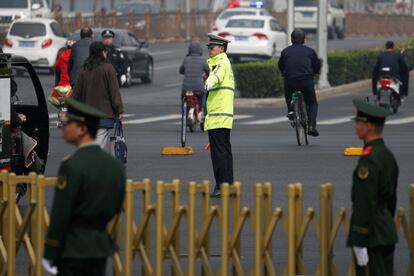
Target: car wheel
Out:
[150,73]
[331,31]
[128,82]
[274,51]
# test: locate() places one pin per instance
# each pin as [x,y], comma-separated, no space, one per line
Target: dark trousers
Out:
[307,87]
[380,262]
[221,156]
[82,267]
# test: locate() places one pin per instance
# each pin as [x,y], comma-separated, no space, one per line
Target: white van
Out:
[15,9]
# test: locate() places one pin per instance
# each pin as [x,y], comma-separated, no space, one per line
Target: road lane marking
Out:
[401,121]
[166,67]
[54,116]
[152,119]
[336,121]
[267,121]
[236,117]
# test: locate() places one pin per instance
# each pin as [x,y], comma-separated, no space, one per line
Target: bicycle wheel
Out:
[183,122]
[305,120]
[300,130]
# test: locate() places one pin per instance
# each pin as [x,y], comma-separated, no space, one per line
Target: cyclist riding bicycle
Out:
[299,64]
[195,70]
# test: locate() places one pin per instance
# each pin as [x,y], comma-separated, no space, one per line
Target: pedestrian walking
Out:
[97,86]
[89,193]
[116,56]
[219,117]
[372,233]
[80,52]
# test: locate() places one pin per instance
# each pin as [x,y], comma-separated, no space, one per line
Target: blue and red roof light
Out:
[253,4]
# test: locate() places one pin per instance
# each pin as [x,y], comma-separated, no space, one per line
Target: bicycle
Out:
[191,107]
[300,118]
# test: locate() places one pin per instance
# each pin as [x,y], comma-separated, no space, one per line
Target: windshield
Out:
[136,8]
[14,4]
[28,30]
[306,3]
[245,23]
[228,14]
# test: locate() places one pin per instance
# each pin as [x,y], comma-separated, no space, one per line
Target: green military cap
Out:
[81,112]
[217,40]
[369,112]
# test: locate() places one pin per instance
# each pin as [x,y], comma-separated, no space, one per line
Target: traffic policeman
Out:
[299,64]
[219,118]
[391,63]
[88,194]
[116,56]
[372,233]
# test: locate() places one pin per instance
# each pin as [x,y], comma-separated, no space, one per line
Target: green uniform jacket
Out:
[374,197]
[221,97]
[90,191]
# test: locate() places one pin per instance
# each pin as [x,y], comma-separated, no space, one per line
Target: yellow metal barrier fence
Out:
[26,231]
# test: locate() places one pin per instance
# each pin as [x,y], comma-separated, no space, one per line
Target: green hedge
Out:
[263,79]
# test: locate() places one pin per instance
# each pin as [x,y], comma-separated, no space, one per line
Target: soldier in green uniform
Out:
[372,233]
[89,193]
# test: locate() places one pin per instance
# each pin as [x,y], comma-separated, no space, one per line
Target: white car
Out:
[225,15]
[15,9]
[253,36]
[306,18]
[37,39]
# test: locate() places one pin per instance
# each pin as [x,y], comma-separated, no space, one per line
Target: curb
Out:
[325,93]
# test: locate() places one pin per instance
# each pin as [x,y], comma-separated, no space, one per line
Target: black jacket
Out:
[193,68]
[118,59]
[299,62]
[391,64]
[80,52]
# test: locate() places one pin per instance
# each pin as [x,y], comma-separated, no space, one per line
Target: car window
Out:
[134,40]
[27,30]
[306,3]
[125,40]
[245,23]
[274,26]
[96,36]
[134,8]
[19,4]
[26,93]
[228,14]
[56,29]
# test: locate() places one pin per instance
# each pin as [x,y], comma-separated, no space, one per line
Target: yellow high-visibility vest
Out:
[221,96]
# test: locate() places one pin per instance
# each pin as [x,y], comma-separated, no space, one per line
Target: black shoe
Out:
[215,194]
[291,115]
[313,132]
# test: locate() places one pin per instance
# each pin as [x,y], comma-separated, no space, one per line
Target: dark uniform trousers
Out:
[307,87]
[82,267]
[381,262]
[221,156]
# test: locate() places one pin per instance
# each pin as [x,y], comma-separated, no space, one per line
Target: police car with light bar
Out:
[238,8]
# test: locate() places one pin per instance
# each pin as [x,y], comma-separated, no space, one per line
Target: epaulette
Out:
[367,150]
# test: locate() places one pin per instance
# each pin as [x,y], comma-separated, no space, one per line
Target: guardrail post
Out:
[11,226]
[192,190]
[159,270]
[298,226]
[324,230]
[40,223]
[129,234]
[258,256]
[292,229]
[225,190]
[267,214]
[411,230]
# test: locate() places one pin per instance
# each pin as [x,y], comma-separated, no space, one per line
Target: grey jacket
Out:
[80,52]
[193,68]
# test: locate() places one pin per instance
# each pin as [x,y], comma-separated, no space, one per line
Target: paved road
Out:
[264,149]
